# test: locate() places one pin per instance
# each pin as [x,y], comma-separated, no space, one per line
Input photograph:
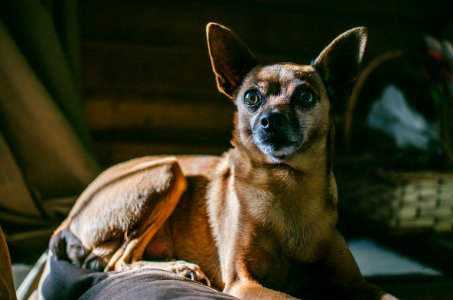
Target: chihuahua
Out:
[258,222]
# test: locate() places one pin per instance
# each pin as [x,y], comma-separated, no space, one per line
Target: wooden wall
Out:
[146,74]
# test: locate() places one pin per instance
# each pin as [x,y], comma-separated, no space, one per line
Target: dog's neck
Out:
[286,200]
[309,172]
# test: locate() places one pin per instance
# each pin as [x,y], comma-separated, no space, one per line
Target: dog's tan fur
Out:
[259,222]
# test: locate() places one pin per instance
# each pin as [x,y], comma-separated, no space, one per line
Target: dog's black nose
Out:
[272,121]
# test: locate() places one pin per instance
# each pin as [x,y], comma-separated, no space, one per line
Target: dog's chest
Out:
[289,216]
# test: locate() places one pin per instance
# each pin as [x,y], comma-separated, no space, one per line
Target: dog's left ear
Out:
[230,58]
[340,61]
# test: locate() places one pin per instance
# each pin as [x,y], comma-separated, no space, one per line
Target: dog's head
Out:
[284,108]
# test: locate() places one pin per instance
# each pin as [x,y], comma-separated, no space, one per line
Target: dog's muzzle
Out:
[275,136]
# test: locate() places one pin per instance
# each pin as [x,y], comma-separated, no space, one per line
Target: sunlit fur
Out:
[258,222]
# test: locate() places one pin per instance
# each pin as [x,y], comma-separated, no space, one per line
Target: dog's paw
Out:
[388,297]
[189,270]
[180,267]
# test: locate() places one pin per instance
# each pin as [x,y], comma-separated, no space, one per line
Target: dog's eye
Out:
[251,98]
[307,99]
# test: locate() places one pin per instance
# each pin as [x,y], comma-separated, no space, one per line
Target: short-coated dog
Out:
[258,222]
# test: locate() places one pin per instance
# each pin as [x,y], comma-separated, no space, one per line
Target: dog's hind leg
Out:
[171,184]
[118,214]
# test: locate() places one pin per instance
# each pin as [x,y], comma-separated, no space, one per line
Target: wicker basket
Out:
[399,201]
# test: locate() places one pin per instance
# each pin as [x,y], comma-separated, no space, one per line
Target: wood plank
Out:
[110,112]
[111,152]
[284,37]
[183,21]
[143,68]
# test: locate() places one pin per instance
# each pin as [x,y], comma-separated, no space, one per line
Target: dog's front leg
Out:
[239,282]
[247,288]
[343,273]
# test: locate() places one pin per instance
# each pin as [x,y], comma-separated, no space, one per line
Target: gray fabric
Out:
[67,281]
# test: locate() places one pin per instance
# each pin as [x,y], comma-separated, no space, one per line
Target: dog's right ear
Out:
[230,58]
[339,63]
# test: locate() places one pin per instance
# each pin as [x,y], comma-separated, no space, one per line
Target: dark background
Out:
[148,86]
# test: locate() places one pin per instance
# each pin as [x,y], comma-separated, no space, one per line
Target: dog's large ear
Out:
[230,58]
[340,61]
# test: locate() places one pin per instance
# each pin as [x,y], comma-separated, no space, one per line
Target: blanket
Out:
[67,281]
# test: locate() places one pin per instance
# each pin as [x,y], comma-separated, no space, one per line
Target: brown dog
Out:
[259,222]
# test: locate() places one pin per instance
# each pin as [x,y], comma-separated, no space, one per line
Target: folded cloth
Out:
[67,281]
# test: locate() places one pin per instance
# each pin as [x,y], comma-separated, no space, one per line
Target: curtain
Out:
[45,151]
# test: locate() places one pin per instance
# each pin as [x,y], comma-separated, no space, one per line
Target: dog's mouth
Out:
[277,146]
